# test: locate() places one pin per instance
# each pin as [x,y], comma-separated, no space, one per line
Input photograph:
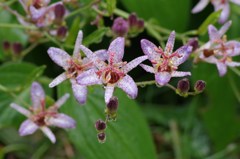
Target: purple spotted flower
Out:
[218,50]
[41,118]
[165,63]
[218,4]
[73,66]
[112,74]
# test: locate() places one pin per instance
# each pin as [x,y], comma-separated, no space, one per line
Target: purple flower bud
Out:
[194,43]
[140,25]
[59,11]
[6,46]
[120,27]
[17,48]
[112,105]
[100,125]
[183,87]
[101,137]
[199,86]
[132,20]
[61,32]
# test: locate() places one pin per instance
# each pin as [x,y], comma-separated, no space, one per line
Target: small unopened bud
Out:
[140,25]
[194,43]
[120,27]
[132,20]
[112,105]
[100,125]
[183,87]
[6,46]
[59,12]
[199,86]
[17,48]
[62,32]
[101,137]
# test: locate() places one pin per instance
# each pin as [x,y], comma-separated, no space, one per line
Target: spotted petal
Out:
[233,64]
[180,74]
[117,48]
[200,6]
[129,66]
[79,92]
[88,78]
[21,110]
[61,100]
[62,121]
[224,28]
[78,43]
[108,93]
[48,133]
[59,79]
[60,57]
[37,13]
[38,95]
[213,33]
[149,50]
[184,53]
[222,68]
[225,12]
[162,78]
[147,68]
[102,54]
[170,43]
[27,127]
[129,86]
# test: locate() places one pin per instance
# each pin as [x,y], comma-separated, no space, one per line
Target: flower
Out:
[112,74]
[39,117]
[218,50]
[120,27]
[165,63]
[73,66]
[218,5]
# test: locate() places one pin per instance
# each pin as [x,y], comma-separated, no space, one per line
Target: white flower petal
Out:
[147,68]
[60,57]
[78,43]
[129,86]
[117,49]
[224,28]
[88,78]
[200,6]
[132,64]
[170,43]
[61,100]
[233,64]
[27,127]
[48,133]
[108,93]
[21,110]
[222,68]
[180,74]
[149,50]
[62,121]
[162,78]
[102,54]
[213,33]
[38,95]
[225,13]
[79,92]
[184,53]
[59,79]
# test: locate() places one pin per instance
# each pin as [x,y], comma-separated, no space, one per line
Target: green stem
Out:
[6,25]
[235,70]
[176,139]
[53,40]
[234,88]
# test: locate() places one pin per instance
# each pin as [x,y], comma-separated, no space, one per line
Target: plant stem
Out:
[176,139]
[7,25]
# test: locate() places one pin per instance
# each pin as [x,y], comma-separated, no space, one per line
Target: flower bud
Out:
[120,27]
[100,125]
[59,12]
[61,32]
[140,25]
[6,46]
[17,48]
[101,137]
[132,20]
[112,105]
[199,86]
[194,43]
[183,87]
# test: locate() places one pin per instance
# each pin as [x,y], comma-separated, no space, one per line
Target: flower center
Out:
[76,68]
[112,76]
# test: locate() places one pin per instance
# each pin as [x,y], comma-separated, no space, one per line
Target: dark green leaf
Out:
[96,36]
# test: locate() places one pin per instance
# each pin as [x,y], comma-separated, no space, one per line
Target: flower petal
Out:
[147,68]
[183,53]
[88,78]
[37,13]
[48,133]
[21,110]
[162,78]
[38,95]
[117,48]
[225,13]
[27,127]
[213,33]
[225,27]
[222,68]
[200,6]
[149,50]
[62,121]
[79,92]
[132,64]
[129,86]
[233,64]
[170,43]
[59,79]
[60,57]
[78,43]
[61,100]
[102,54]
[108,93]
[180,74]
[236,1]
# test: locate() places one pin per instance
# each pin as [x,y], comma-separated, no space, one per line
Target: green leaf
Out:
[172,14]
[73,32]
[111,5]
[96,36]
[129,137]
[211,19]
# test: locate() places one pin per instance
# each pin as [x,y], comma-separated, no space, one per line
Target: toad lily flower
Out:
[218,50]
[218,4]
[165,63]
[40,118]
[112,74]
[73,66]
